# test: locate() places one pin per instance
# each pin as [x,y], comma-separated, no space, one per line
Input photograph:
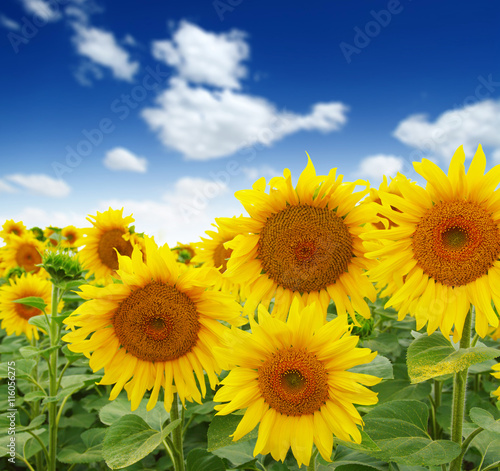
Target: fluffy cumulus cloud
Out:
[182,214]
[374,167]
[38,217]
[478,123]
[205,124]
[5,187]
[9,24]
[254,173]
[101,47]
[40,184]
[203,115]
[49,11]
[203,57]
[122,159]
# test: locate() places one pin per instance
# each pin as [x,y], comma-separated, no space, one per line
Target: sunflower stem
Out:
[53,383]
[459,389]
[177,435]
[312,462]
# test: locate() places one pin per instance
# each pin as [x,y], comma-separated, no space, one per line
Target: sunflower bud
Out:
[61,267]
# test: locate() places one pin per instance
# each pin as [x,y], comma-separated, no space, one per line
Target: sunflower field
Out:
[334,326]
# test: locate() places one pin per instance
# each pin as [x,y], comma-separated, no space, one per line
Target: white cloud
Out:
[9,24]
[40,184]
[122,159]
[203,57]
[254,173]
[76,13]
[6,188]
[43,9]
[204,124]
[376,166]
[32,216]
[101,47]
[496,156]
[129,39]
[469,126]
[183,214]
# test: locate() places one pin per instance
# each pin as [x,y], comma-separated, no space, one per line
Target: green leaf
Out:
[399,429]
[434,355]
[32,301]
[401,389]
[485,420]
[238,453]
[488,444]
[120,407]
[71,356]
[40,322]
[220,429]
[380,366]
[33,352]
[34,424]
[89,451]
[130,440]
[23,368]
[349,459]
[201,460]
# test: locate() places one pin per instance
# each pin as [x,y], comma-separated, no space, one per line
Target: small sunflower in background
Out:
[22,251]
[15,316]
[71,236]
[185,253]
[496,374]
[302,243]
[211,252]
[52,236]
[111,233]
[444,254]
[292,378]
[155,329]
[11,227]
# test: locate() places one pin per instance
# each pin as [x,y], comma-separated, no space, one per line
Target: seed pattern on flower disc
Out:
[304,248]
[110,241]
[221,255]
[157,323]
[293,382]
[27,257]
[456,242]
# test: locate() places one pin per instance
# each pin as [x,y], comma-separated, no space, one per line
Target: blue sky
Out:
[168,108]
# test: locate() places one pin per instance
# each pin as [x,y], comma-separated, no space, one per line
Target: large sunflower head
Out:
[12,227]
[292,378]
[444,256]
[109,236]
[155,328]
[15,316]
[212,251]
[24,252]
[302,243]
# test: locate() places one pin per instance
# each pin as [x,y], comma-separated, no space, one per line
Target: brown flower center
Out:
[26,312]
[293,382]
[221,256]
[27,257]
[303,248]
[110,241]
[456,242]
[157,323]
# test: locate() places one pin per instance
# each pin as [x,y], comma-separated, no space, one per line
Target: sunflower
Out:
[110,234]
[11,227]
[15,316]
[153,329]
[292,378]
[302,243]
[185,253]
[71,237]
[53,236]
[496,374]
[22,251]
[211,252]
[445,253]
